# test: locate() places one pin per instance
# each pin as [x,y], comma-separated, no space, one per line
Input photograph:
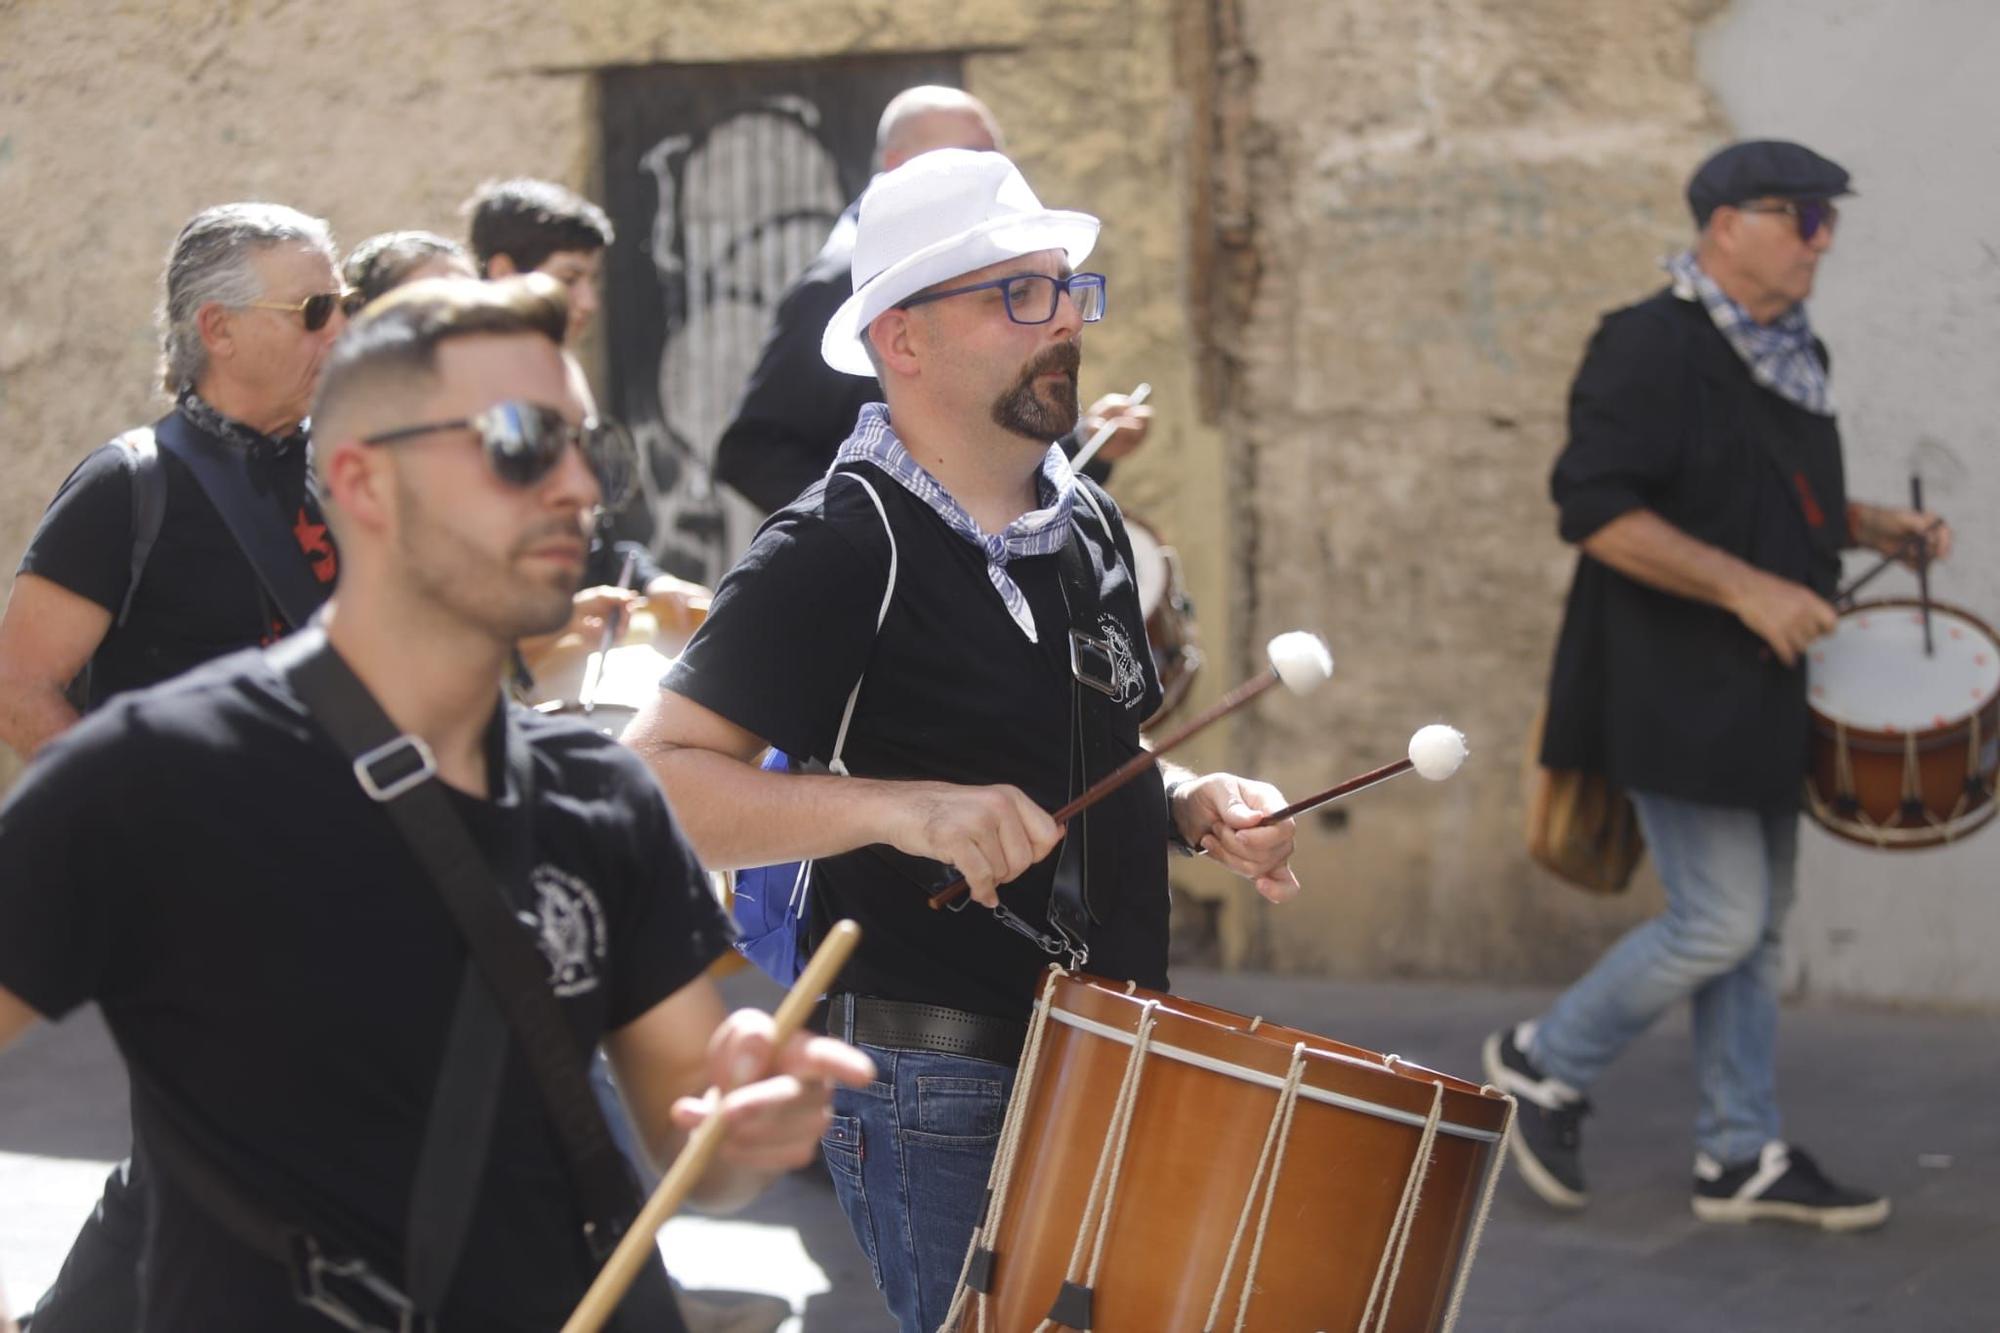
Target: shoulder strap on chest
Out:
[261,530]
[834,762]
[149,505]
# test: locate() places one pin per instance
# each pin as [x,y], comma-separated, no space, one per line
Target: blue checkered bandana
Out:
[1781,355]
[1041,531]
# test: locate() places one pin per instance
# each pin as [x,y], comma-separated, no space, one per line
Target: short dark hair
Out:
[529,220]
[394,342]
[383,263]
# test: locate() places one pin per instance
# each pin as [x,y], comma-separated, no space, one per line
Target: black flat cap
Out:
[1763,169]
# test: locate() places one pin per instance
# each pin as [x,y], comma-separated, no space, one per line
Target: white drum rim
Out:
[1830,721]
[1307,1091]
[1889,836]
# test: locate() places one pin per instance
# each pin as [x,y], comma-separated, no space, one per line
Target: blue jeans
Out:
[1729,875]
[909,1155]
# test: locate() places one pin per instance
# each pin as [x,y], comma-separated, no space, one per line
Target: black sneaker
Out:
[1782,1184]
[1547,1141]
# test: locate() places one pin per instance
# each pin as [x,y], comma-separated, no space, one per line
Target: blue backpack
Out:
[769,902]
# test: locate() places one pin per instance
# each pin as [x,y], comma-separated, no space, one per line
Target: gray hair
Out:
[210,265]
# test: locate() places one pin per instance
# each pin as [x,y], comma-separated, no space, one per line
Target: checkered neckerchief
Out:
[1039,532]
[1780,354]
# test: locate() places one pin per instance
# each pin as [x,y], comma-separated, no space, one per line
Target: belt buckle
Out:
[317,1280]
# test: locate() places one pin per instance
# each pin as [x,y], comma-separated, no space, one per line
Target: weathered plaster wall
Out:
[119,121]
[1447,193]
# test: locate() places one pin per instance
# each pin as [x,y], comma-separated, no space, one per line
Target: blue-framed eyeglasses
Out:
[1031,297]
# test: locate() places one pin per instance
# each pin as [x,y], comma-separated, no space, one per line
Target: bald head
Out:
[919,120]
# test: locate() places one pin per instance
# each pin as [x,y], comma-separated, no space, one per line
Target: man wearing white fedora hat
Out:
[948,623]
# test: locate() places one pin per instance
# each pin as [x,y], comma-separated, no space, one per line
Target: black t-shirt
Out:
[199,859]
[954,692]
[199,597]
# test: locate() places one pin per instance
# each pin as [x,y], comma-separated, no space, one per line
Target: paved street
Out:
[1909,1103]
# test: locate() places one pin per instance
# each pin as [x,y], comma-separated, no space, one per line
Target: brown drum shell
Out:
[1876,760]
[1192,1151]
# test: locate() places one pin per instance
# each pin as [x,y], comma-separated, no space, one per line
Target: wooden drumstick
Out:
[1298,658]
[1436,752]
[1108,429]
[614,624]
[1923,563]
[637,1244]
[1911,548]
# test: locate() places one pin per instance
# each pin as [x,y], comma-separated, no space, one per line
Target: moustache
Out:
[1064,358]
[578,527]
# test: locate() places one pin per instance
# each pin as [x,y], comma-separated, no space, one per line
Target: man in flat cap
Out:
[1702,481]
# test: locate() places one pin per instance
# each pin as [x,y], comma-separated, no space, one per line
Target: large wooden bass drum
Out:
[1167,1165]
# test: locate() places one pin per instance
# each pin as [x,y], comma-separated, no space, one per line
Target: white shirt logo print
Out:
[1128,679]
[569,925]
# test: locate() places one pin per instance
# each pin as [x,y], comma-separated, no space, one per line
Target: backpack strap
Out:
[262,533]
[149,505]
[834,763]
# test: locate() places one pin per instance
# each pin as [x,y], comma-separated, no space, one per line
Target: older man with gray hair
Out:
[193,537]
[176,543]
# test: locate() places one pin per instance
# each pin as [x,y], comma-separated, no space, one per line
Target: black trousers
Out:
[97,1290]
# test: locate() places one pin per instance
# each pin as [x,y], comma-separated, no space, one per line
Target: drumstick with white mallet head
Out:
[1299,659]
[1435,753]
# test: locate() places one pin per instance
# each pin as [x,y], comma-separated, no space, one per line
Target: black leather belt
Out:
[905,1026]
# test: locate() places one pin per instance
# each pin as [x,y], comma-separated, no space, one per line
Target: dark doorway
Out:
[722,181]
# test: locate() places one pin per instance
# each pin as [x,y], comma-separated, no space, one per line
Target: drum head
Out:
[1149,565]
[1872,674]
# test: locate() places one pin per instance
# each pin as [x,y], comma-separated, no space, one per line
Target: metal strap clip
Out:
[342,1289]
[392,768]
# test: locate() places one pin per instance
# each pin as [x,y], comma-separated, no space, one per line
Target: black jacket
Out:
[1663,693]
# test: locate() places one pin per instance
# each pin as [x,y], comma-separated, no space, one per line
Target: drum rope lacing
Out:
[1001,1177]
[1861,823]
[1278,1133]
[1478,1232]
[1110,1161]
[1406,1210]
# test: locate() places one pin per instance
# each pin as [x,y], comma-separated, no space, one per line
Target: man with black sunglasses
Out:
[174,544]
[1703,482]
[949,617]
[140,568]
[348,1123]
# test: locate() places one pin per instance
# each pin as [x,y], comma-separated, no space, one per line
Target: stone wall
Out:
[118,121]
[1356,246]
[1446,193]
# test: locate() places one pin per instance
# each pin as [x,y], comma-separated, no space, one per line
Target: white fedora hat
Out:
[938,215]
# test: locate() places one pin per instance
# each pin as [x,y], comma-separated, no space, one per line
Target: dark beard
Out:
[1025,412]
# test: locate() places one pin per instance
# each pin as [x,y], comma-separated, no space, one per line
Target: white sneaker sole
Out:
[1550,1190]
[1859,1217]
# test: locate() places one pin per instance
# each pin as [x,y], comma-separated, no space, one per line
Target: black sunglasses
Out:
[524,442]
[315,310]
[1809,215]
